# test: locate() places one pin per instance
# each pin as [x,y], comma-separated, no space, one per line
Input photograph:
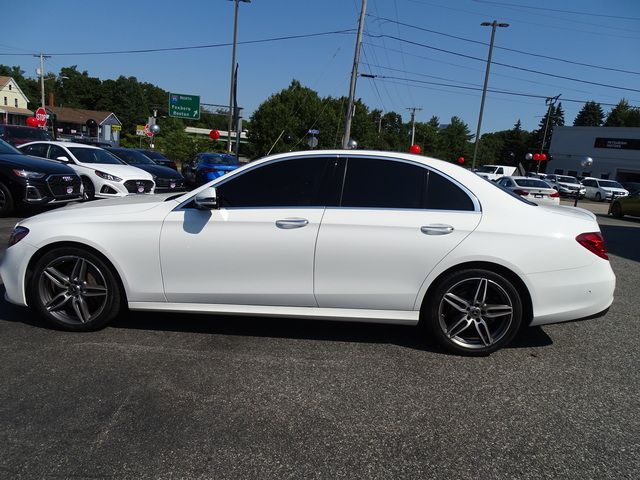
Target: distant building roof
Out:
[4,81]
[80,116]
[15,111]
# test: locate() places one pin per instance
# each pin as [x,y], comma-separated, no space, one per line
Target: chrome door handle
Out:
[436,229]
[288,223]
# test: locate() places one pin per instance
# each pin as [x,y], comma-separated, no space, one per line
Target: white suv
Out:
[600,190]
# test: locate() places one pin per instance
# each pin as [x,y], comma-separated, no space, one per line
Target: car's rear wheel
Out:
[474,312]
[616,210]
[75,289]
[6,201]
[598,197]
[89,191]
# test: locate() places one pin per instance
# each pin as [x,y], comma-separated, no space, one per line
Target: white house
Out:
[13,103]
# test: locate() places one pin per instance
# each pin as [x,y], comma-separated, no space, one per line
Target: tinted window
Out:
[443,194]
[288,183]
[375,183]
[533,183]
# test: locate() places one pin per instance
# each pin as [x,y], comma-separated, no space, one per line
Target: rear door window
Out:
[37,150]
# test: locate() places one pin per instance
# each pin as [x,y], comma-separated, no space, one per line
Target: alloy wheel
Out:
[475,313]
[73,290]
[3,199]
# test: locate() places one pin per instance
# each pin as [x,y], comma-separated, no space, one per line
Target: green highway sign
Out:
[184,106]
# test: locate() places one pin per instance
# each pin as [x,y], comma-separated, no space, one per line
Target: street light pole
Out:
[233,71]
[354,75]
[493,26]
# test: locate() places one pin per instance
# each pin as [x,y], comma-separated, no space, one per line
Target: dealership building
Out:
[615,152]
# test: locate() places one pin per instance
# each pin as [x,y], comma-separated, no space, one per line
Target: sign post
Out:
[184,106]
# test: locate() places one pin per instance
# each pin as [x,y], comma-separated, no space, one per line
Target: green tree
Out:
[623,115]
[454,140]
[591,115]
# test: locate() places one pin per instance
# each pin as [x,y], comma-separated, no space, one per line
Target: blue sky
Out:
[609,37]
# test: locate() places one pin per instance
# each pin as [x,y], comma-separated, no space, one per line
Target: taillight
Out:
[555,194]
[593,242]
[523,193]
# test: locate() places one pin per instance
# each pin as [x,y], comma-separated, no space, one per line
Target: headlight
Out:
[18,234]
[107,176]
[28,174]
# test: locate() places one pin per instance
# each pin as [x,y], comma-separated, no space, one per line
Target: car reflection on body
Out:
[344,235]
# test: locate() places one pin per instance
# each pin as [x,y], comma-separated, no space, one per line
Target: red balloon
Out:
[461,160]
[536,157]
[32,122]
[214,134]
[543,156]
[415,149]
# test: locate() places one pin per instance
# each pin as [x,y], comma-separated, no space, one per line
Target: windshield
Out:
[94,155]
[531,182]
[609,184]
[219,159]
[6,148]
[132,157]
[154,155]
[487,169]
[565,179]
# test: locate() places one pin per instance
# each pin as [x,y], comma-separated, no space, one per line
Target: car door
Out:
[395,222]
[258,247]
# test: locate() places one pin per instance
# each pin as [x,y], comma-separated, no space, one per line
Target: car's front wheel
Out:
[474,312]
[75,289]
[598,197]
[6,201]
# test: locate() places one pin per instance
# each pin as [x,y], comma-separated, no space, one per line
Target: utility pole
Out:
[42,57]
[354,76]
[550,102]
[493,26]
[233,72]
[413,111]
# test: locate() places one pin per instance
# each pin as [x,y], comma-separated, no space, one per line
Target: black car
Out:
[167,179]
[158,158]
[26,180]
[19,134]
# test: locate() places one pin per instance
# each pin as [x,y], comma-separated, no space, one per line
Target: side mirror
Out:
[62,159]
[207,199]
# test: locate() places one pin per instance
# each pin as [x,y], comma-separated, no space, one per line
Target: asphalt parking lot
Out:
[187,396]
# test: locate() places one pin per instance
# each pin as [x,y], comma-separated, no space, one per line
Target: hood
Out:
[574,185]
[126,172]
[160,171]
[35,164]
[614,189]
[113,206]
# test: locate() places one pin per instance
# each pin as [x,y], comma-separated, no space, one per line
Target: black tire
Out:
[473,312]
[89,190]
[598,197]
[7,205]
[75,290]
[616,210]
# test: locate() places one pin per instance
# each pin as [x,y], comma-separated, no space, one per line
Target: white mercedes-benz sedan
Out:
[343,235]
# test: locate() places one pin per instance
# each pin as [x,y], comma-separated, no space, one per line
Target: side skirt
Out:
[396,317]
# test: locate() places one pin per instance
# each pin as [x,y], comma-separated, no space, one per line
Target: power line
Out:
[557,10]
[531,54]
[515,67]
[191,47]
[492,90]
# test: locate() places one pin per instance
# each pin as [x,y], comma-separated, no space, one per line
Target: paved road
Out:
[178,396]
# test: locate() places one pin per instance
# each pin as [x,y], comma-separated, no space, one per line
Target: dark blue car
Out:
[208,166]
